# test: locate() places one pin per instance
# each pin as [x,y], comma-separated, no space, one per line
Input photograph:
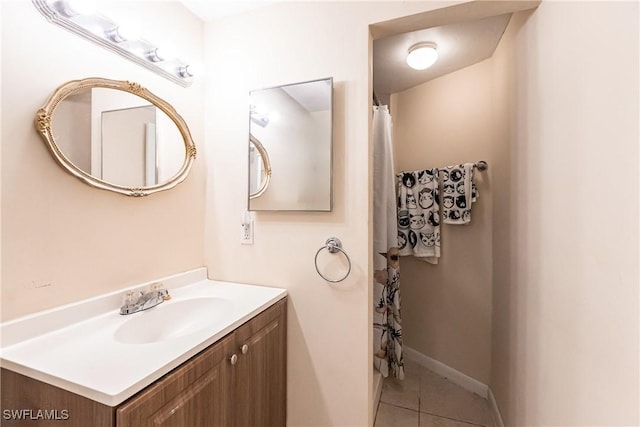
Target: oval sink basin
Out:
[173,319]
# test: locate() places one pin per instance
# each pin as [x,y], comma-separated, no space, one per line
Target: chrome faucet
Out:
[144,300]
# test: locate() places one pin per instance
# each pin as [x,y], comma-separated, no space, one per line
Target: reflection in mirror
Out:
[293,124]
[129,149]
[259,168]
[117,136]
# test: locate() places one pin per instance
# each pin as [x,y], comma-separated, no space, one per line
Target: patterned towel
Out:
[458,193]
[418,215]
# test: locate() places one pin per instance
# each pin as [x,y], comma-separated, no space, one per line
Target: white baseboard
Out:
[457,377]
[448,372]
[495,411]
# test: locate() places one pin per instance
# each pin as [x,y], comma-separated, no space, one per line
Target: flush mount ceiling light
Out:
[73,15]
[422,55]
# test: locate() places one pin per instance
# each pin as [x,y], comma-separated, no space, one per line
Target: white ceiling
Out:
[459,45]
[209,10]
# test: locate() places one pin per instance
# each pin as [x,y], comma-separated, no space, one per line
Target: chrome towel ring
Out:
[333,245]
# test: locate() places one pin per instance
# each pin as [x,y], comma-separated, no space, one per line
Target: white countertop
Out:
[83,357]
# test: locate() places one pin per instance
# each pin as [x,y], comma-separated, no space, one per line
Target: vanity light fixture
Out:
[122,33]
[92,25]
[259,115]
[77,7]
[191,70]
[422,55]
[161,54]
[115,34]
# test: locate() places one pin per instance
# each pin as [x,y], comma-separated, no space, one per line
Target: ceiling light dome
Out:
[422,55]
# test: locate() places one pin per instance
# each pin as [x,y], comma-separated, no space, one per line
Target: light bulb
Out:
[192,70]
[165,53]
[422,55]
[128,32]
[122,33]
[273,116]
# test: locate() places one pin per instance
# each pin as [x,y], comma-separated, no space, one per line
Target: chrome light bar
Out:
[110,35]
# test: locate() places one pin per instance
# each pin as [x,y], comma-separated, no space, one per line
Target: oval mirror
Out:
[259,168]
[117,136]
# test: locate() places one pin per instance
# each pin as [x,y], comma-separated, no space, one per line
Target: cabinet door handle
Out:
[233,359]
[245,349]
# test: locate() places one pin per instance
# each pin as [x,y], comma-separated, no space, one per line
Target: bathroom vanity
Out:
[231,373]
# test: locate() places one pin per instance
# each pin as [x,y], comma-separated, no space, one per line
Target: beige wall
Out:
[330,364]
[446,308]
[62,240]
[565,329]
[565,325]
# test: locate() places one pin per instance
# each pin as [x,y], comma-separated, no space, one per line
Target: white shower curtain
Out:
[386,317]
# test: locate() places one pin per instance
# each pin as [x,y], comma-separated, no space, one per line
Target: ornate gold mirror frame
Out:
[43,126]
[266,164]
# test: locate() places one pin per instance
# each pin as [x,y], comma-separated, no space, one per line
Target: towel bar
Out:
[333,245]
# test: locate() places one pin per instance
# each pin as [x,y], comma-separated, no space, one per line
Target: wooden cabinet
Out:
[195,394]
[240,381]
[22,397]
[260,377]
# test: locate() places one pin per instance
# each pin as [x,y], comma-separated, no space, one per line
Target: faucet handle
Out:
[159,288]
[131,297]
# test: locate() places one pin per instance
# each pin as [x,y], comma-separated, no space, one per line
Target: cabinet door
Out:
[62,408]
[194,394]
[260,375]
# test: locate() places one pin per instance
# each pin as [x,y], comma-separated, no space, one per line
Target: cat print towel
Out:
[458,193]
[419,215]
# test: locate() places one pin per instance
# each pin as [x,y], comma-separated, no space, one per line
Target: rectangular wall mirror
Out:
[290,146]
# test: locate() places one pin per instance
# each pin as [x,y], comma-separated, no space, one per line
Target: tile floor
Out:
[425,399]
